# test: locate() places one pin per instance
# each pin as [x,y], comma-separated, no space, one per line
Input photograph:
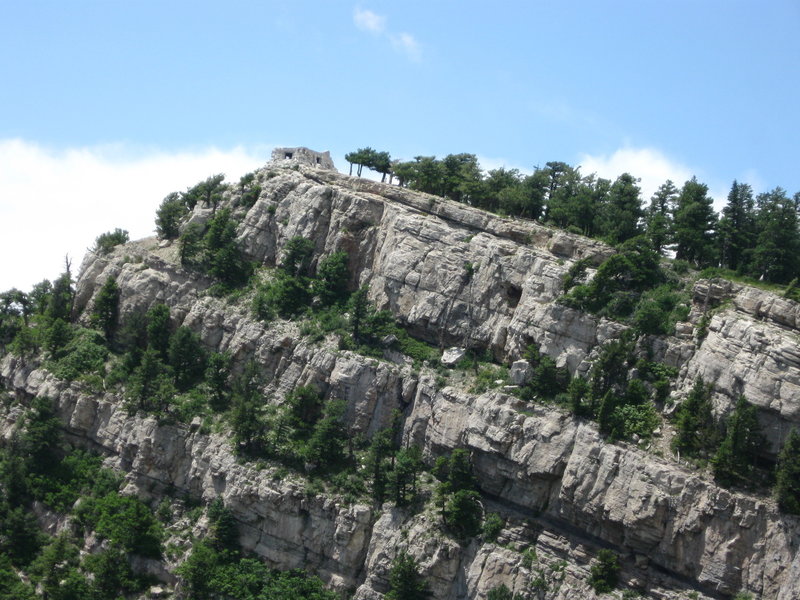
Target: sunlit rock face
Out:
[456,277]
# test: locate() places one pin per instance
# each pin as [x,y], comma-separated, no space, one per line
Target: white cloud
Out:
[648,164]
[489,163]
[366,20]
[408,45]
[373,23]
[56,202]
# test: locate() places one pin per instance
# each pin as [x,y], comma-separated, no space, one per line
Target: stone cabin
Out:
[304,156]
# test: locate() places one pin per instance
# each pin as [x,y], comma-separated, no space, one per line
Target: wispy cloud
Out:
[366,20]
[402,42]
[56,202]
[649,164]
[408,45]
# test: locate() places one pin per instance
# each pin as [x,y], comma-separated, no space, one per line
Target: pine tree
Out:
[403,478]
[736,457]
[359,310]
[695,221]
[697,433]
[216,375]
[787,474]
[333,277]
[187,357]
[622,212]
[405,581]
[158,329]
[105,314]
[61,297]
[658,217]
[169,215]
[736,236]
[776,256]
[246,421]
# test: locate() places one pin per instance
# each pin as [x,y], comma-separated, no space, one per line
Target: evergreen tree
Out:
[105,314]
[461,178]
[563,184]
[622,210]
[736,457]
[330,284]
[405,581]
[403,478]
[169,215]
[40,297]
[424,174]
[106,242]
[502,592]
[187,357]
[359,310]
[158,329]
[463,514]
[326,445]
[694,222]
[378,453]
[787,474]
[456,470]
[41,440]
[60,299]
[304,409]
[150,387]
[697,433]
[737,227]
[56,337]
[382,163]
[222,258]
[297,255]
[246,420]
[223,534]
[605,572]
[209,192]
[190,244]
[776,256]
[216,376]
[658,217]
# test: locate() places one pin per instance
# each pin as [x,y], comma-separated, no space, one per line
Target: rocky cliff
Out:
[457,276]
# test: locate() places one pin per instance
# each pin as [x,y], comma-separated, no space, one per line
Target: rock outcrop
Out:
[456,276]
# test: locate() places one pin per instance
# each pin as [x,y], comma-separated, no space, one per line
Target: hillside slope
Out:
[455,276]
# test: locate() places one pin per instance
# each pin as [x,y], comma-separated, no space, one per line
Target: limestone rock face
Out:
[752,347]
[456,276]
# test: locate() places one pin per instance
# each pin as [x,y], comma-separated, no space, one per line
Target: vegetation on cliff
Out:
[166,371]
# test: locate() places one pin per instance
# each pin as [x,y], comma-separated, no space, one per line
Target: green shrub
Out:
[605,572]
[285,295]
[112,574]
[84,353]
[125,522]
[639,420]
[492,526]
[105,242]
[250,195]
[487,378]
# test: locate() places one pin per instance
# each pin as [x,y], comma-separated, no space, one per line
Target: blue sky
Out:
[105,107]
